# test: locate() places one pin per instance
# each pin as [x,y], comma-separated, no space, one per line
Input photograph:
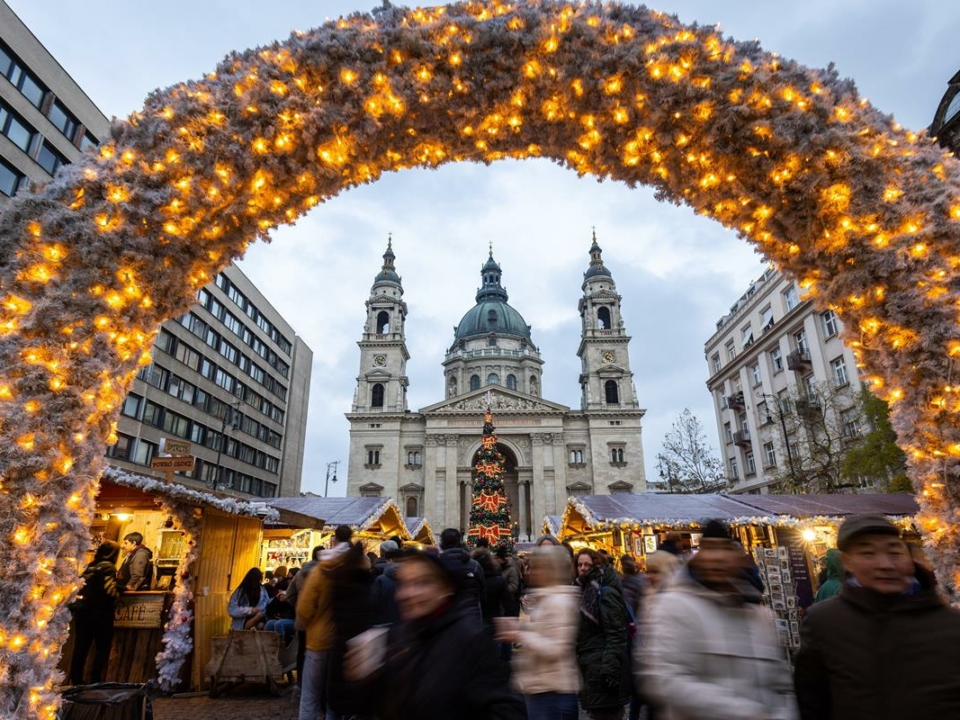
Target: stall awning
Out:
[374,514]
[420,530]
[807,506]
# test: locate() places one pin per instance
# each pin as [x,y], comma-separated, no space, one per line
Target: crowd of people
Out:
[442,633]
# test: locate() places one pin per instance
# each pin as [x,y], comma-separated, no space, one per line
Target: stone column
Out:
[538,503]
[559,500]
[430,480]
[454,498]
[522,493]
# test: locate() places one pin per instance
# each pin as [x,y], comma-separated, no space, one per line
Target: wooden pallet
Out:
[249,656]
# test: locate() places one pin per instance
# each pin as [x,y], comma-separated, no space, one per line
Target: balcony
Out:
[742,438]
[799,359]
[736,401]
[808,406]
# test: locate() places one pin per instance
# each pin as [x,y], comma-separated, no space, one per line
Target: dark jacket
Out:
[633,590]
[512,583]
[385,595]
[494,590]
[867,656]
[445,668]
[470,580]
[136,571]
[602,649]
[834,580]
[99,593]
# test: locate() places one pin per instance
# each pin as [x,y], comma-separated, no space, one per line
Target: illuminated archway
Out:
[862,212]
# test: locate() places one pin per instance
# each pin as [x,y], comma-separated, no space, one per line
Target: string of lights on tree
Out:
[864,213]
[489,518]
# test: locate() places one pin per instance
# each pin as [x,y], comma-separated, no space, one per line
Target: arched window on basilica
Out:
[412,507]
[474,382]
[493,379]
[376,396]
[603,318]
[383,322]
[612,392]
[511,382]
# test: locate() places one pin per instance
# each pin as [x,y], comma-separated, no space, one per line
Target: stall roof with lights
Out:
[586,514]
[420,530]
[374,515]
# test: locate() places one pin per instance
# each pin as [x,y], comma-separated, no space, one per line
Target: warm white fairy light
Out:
[863,211]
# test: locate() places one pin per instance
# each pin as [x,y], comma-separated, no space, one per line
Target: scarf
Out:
[590,599]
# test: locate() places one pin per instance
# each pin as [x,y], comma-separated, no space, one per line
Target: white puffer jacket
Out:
[547,659]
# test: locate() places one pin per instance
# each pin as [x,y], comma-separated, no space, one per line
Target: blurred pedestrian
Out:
[315,613]
[634,588]
[439,665]
[491,604]
[546,671]
[710,652]
[93,612]
[661,566]
[292,596]
[834,576]
[248,603]
[472,580]
[887,646]
[385,584]
[602,639]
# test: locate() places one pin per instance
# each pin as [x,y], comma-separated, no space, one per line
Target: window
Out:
[17,130]
[776,360]
[766,318]
[144,452]
[512,382]
[492,341]
[224,379]
[197,433]
[188,356]
[616,456]
[229,351]
[32,90]
[829,320]
[121,449]
[750,464]
[156,376]
[474,382]
[850,422]
[790,298]
[728,432]
[734,469]
[576,456]
[376,396]
[63,119]
[49,159]
[10,180]
[88,141]
[800,340]
[839,368]
[492,318]
[383,322]
[176,424]
[232,323]
[715,362]
[755,374]
[603,318]
[413,458]
[731,350]
[131,405]
[234,294]
[373,457]
[612,392]
[746,335]
[810,386]
[769,455]
[412,507]
[493,379]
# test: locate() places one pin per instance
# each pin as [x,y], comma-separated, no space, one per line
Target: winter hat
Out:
[715,530]
[858,525]
[387,547]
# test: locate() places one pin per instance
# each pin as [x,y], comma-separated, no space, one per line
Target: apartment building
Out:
[778,371]
[46,120]
[232,378]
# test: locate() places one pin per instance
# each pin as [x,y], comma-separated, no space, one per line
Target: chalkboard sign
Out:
[799,569]
[139,610]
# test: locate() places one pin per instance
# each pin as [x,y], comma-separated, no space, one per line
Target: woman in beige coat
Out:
[545,670]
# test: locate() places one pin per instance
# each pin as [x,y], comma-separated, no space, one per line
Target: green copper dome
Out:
[491,314]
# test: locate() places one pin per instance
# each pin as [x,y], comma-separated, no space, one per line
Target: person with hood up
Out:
[602,639]
[546,671]
[710,651]
[887,646]
[834,567]
[472,582]
[93,613]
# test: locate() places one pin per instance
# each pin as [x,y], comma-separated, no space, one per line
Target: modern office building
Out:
[46,120]
[946,121]
[778,373]
[233,379]
[425,459]
[230,376]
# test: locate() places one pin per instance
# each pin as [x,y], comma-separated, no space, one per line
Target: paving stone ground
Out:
[240,704]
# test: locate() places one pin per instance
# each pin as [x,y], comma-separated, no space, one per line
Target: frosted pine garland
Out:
[862,212]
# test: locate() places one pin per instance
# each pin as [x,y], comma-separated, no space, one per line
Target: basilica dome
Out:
[492,314]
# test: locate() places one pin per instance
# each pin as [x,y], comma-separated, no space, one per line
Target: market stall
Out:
[420,531]
[202,544]
[373,519]
[787,535]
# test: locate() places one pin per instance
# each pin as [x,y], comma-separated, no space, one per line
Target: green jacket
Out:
[834,579]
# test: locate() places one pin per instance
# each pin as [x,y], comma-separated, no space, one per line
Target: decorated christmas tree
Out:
[488,511]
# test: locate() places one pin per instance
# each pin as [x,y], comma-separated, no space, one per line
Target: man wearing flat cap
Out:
[887,646]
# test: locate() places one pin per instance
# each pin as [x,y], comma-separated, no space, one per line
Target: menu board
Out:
[799,569]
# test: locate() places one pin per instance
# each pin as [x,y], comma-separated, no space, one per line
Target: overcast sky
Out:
[678,273]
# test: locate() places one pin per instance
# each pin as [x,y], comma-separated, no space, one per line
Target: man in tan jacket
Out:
[315,614]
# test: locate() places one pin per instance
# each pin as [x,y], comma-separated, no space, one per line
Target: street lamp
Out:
[231,415]
[331,469]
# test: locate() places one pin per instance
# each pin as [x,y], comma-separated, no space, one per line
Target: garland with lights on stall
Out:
[489,518]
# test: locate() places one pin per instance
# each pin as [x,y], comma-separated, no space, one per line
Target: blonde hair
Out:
[666,563]
[555,563]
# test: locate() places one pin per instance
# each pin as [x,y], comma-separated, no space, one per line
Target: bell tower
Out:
[382,381]
[606,381]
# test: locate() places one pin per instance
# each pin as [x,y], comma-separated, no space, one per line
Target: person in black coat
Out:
[439,663]
[93,613]
[494,589]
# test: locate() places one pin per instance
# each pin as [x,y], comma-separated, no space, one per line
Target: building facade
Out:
[46,120]
[780,377]
[424,459]
[946,121]
[232,378]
